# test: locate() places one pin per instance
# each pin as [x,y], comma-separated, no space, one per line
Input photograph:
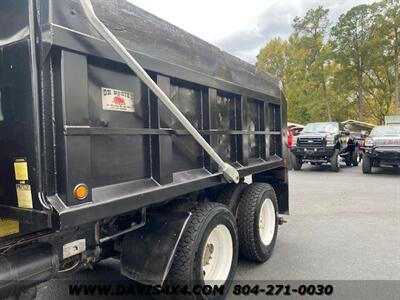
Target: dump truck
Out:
[124,136]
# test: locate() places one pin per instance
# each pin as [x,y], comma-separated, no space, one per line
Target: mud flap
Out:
[148,252]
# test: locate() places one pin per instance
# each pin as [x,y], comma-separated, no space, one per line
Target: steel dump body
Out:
[93,165]
[75,114]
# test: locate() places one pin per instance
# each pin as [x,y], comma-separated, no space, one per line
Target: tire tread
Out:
[181,269]
[247,211]
[227,193]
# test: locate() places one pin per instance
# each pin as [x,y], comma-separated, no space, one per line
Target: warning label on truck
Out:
[24,195]
[117,100]
[21,169]
[24,192]
[8,227]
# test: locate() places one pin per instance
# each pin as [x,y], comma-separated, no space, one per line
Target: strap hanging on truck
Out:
[230,173]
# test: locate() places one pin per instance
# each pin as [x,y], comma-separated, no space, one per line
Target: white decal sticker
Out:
[116,100]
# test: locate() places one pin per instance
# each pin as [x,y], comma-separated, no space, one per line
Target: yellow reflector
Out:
[81,191]
[8,227]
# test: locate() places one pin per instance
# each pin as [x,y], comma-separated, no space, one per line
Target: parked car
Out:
[382,148]
[325,143]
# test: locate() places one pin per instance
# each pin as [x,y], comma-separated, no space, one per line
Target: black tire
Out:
[360,156]
[366,164]
[297,162]
[335,165]
[348,161]
[290,161]
[186,267]
[230,195]
[354,157]
[251,246]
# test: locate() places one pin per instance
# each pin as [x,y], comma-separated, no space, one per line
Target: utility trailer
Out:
[131,138]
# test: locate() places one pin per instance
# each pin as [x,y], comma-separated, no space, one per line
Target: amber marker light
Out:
[81,191]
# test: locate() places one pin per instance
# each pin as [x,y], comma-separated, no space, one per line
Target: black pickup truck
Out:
[382,148]
[321,143]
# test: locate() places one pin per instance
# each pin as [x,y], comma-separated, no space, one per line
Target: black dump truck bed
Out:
[126,158]
[72,114]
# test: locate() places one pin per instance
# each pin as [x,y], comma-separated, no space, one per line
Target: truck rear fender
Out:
[279,179]
[147,253]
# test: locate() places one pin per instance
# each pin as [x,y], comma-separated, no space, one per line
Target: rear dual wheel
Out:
[208,250]
[230,195]
[257,219]
[256,209]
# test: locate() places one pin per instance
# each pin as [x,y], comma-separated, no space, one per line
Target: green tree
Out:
[353,72]
[280,59]
[310,32]
[379,73]
[297,87]
[388,24]
[273,59]
[350,36]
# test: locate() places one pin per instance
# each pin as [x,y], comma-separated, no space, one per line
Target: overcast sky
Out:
[240,27]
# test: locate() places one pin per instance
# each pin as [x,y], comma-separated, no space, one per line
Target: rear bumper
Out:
[314,153]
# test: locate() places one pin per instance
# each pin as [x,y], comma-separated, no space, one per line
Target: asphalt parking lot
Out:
[343,226]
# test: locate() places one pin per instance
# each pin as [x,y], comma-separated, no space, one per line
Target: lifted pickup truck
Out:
[132,140]
[321,143]
[382,148]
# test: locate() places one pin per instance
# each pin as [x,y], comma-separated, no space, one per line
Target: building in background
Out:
[392,120]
